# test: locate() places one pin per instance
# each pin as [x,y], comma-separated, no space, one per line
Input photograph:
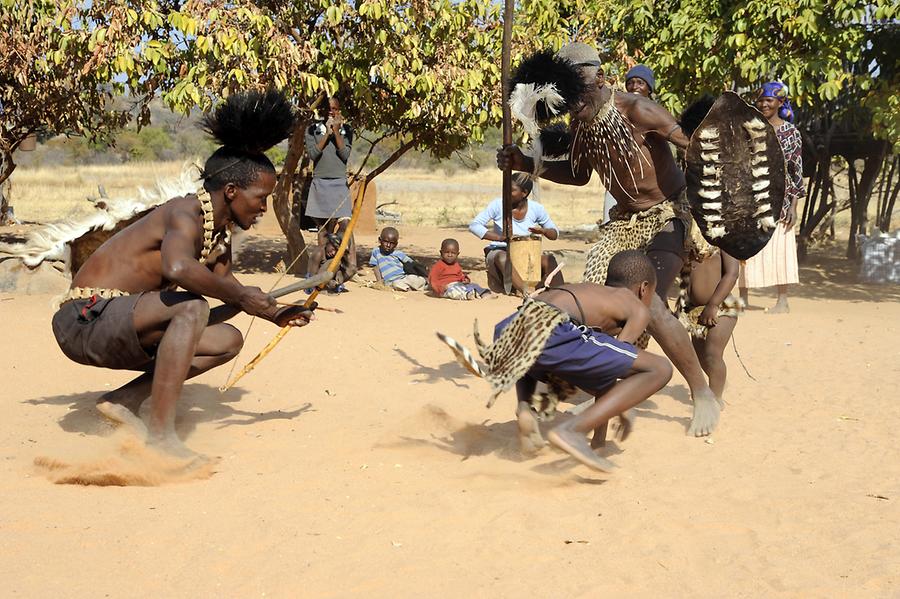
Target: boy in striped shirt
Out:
[388,262]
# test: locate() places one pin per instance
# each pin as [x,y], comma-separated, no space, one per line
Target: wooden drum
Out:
[525,253]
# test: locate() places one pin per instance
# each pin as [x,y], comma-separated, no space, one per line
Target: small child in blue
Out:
[388,262]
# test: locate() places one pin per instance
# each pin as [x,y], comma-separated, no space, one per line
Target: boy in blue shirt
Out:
[388,262]
[529,218]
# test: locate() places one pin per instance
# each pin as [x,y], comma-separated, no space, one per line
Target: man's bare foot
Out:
[624,425]
[576,445]
[598,439]
[169,444]
[706,414]
[120,413]
[530,439]
[780,307]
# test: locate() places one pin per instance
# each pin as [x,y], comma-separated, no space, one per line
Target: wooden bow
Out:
[332,269]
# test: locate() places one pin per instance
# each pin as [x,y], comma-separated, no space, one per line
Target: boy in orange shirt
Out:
[447,279]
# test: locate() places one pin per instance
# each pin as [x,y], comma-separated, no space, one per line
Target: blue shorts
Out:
[590,360]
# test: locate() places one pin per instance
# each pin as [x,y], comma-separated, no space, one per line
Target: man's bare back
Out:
[605,308]
[130,260]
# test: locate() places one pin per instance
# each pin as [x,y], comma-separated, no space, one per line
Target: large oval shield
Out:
[735,177]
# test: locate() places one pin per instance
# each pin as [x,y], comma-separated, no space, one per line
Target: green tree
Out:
[54,73]
[839,58]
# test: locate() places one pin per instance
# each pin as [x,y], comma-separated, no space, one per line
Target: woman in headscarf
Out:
[776,264]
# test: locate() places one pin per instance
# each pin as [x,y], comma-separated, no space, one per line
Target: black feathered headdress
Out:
[246,125]
[251,122]
[555,141]
[542,87]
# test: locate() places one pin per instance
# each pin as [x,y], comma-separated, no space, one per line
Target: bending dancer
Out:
[625,137]
[564,336]
[124,310]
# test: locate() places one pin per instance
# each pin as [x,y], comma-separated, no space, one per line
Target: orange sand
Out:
[359,460]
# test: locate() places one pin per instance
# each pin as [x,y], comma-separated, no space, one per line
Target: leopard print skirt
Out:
[519,345]
[632,231]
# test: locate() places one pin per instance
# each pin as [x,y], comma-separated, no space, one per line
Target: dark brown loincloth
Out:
[100,332]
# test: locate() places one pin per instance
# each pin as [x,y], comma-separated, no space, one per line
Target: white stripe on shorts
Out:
[587,337]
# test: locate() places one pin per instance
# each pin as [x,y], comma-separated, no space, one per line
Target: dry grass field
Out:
[423,197]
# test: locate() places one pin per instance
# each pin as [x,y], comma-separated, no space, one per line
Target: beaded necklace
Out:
[210,241]
[593,142]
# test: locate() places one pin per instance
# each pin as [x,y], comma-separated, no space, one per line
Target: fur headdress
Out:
[543,87]
[251,122]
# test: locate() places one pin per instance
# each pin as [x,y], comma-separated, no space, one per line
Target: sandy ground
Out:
[359,460]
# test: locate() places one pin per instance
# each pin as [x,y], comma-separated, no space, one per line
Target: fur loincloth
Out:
[544,403]
[631,231]
[517,348]
[688,314]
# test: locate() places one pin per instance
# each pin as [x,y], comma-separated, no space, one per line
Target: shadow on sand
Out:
[449,371]
[199,404]
[501,440]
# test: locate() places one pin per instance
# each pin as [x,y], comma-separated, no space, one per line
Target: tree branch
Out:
[392,159]
[372,145]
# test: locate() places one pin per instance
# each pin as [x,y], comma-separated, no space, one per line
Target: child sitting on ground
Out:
[707,309]
[319,259]
[557,336]
[389,263]
[447,278]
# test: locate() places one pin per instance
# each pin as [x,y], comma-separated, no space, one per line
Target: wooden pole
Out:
[507,137]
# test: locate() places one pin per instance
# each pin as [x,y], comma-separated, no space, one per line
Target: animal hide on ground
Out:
[735,177]
[74,241]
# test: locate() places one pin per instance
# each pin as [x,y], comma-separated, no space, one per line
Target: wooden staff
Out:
[332,268]
[507,138]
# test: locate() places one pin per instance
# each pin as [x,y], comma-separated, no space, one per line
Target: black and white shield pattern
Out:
[735,177]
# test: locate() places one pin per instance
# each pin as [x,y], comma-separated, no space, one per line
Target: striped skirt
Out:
[776,264]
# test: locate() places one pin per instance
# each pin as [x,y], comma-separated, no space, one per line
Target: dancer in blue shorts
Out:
[583,335]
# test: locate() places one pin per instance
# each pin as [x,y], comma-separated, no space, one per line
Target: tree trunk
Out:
[7,166]
[282,204]
[888,196]
[863,188]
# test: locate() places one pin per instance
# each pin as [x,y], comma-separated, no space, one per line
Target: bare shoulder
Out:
[183,213]
[647,114]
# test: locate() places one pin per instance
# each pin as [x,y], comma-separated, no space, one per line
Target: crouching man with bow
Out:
[138,302]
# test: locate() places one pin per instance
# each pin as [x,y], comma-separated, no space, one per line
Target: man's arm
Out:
[730,267]
[545,225]
[313,148]
[180,266]
[373,261]
[636,317]
[479,225]
[343,144]
[653,118]
[556,171]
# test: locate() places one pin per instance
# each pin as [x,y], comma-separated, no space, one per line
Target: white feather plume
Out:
[714,232]
[524,99]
